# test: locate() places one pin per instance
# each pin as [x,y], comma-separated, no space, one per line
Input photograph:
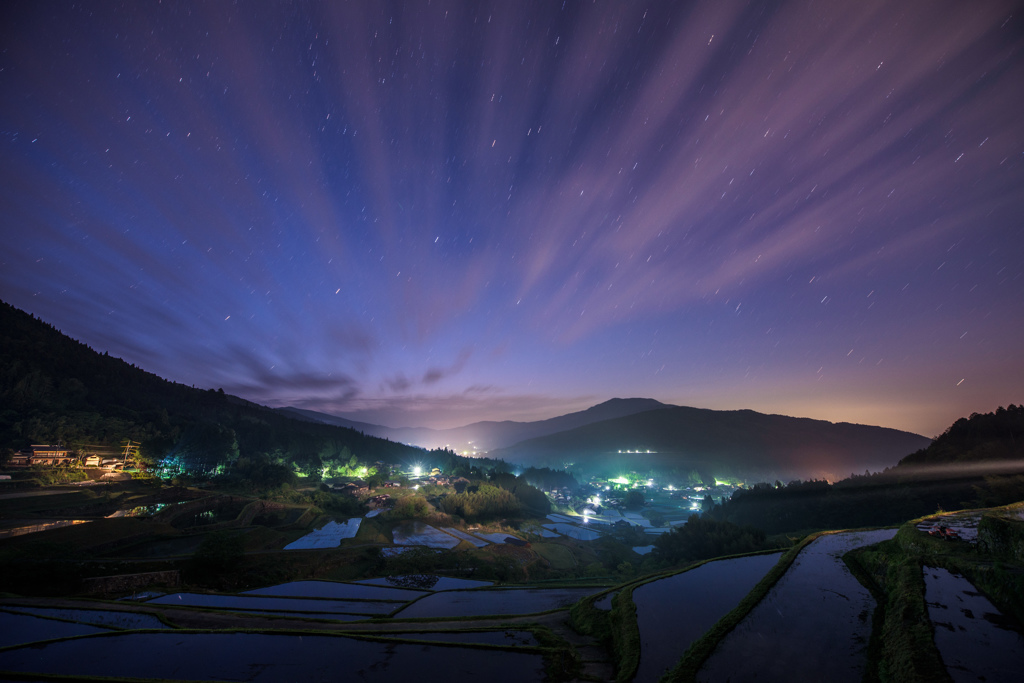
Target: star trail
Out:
[430,213]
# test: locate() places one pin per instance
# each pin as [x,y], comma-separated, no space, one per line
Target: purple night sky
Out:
[430,213]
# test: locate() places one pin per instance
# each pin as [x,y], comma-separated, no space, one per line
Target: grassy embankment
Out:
[902,647]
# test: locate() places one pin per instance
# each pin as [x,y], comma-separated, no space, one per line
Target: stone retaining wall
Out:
[129,583]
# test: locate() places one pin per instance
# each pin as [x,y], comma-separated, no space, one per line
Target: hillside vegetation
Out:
[53,388]
[723,444]
[977,462]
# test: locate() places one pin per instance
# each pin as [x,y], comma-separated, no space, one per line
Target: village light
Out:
[417,471]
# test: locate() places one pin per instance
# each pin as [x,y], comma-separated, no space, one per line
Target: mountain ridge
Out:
[741,443]
[484,436]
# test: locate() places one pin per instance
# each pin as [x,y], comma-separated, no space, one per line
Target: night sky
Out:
[430,213]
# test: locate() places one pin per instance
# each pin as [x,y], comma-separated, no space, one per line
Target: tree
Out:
[634,499]
[219,552]
[702,538]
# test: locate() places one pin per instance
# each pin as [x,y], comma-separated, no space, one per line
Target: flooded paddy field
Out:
[18,629]
[336,590]
[673,612]
[504,637]
[418,533]
[605,601]
[328,536]
[974,639]
[475,603]
[477,542]
[261,657]
[107,619]
[270,604]
[321,616]
[573,531]
[813,625]
[426,582]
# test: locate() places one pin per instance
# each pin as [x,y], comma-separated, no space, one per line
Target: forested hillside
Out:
[721,443]
[53,388]
[988,437]
[977,462]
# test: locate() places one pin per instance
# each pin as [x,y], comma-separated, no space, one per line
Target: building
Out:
[39,454]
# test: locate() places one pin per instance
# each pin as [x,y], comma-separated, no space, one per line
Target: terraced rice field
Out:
[328,536]
[477,542]
[673,612]
[111,619]
[270,604]
[260,657]
[17,629]
[475,603]
[973,637]
[336,590]
[418,533]
[426,582]
[813,625]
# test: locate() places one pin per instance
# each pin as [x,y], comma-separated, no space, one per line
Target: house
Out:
[20,459]
[39,454]
[353,489]
[381,501]
[92,460]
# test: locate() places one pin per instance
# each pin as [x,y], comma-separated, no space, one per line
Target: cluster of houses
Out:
[60,456]
[52,456]
[382,500]
[358,488]
[562,495]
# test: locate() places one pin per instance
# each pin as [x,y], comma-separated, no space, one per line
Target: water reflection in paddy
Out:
[16,629]
[973,637]
[426,582]
[518,638]
[332,589]
[605,601]
[328,536]
[674,611]
[418,533]
[243,602]
[813,625]
[486,602]
[111,618]
[263,657]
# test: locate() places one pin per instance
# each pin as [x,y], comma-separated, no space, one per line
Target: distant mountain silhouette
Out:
[489,435]
[739,443]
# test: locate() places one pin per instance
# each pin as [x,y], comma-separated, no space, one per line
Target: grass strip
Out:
[617,629]
[905,650]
